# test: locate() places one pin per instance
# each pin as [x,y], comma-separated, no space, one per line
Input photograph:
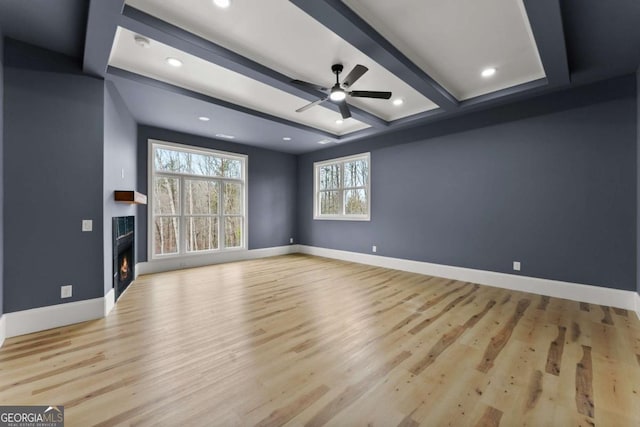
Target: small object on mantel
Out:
[130,197]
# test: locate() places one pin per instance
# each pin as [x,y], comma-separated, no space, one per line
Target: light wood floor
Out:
[310,341]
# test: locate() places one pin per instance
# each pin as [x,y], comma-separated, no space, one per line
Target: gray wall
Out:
[272,187]
[1,171]
[53,157]
[120,168]
[638,181]
[549,182]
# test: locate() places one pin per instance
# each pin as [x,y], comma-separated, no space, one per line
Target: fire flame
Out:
[124,269]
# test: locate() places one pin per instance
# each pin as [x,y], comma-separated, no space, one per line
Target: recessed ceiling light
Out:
[174,62]
[204,118]
[222,3]
[225,136]
[286,138]
[398,101]
[339,121]
[142,41]
[488,72]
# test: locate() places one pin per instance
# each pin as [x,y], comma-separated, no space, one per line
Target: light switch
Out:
[87,225]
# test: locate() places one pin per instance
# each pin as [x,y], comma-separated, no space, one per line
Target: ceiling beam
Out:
[545,18]
[504,95]
[340,19]
[482,102]
[118,72]
[398,124]
[163,32]
[101,28]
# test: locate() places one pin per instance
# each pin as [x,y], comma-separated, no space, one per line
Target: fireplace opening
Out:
[123,253]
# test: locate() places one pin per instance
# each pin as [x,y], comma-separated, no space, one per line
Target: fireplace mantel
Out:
[132,197]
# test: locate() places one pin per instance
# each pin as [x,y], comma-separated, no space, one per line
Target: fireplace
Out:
[123,253]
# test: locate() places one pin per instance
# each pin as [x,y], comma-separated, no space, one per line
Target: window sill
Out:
[191,255]
[341,218]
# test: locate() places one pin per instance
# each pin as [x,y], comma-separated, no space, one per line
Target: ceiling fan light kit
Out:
[223,4]
[337,94]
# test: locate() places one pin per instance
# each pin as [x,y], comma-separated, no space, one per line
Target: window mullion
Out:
[342,192]
[221,201]
[182,243]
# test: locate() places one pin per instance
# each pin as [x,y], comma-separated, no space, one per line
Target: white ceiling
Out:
[210,79]
[452,41]
[279,35]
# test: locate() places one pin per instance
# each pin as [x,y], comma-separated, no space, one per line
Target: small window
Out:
[342,189]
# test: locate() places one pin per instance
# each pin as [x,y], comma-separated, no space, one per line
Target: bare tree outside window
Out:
[198,200]
[342,188]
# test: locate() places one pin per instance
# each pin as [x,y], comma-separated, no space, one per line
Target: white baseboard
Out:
[53,316]
[3,329]
[43,318]
[109,301]
[573,291]
[170,264]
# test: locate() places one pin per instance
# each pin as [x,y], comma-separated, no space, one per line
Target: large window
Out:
[197,200]
[342,189]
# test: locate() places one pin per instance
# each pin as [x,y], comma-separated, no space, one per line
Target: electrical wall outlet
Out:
[374,248]
[290,239]
[66,291]
[87,225]
[516,265]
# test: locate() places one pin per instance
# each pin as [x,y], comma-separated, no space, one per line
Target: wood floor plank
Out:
[352,392]
[575,331]
[490,418]
[584,384]
[500,340]
[534,390]
[554,357]
[544,302]
[301,340]
[447,339]
[420,326]
[606,319]
[621,311]
[283,415]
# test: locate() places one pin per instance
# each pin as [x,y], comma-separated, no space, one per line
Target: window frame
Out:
[183,216]
[341,188]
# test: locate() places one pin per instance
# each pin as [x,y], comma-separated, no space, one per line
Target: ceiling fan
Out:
[338,94]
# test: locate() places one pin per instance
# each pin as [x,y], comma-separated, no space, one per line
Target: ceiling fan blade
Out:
[314,103]
[344,110]
[370,94]
[354,75]
[309,85]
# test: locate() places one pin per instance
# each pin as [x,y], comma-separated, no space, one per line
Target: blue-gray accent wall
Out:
[120,168]
[549,182]
[271,180]
[53,159]
[1,172]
